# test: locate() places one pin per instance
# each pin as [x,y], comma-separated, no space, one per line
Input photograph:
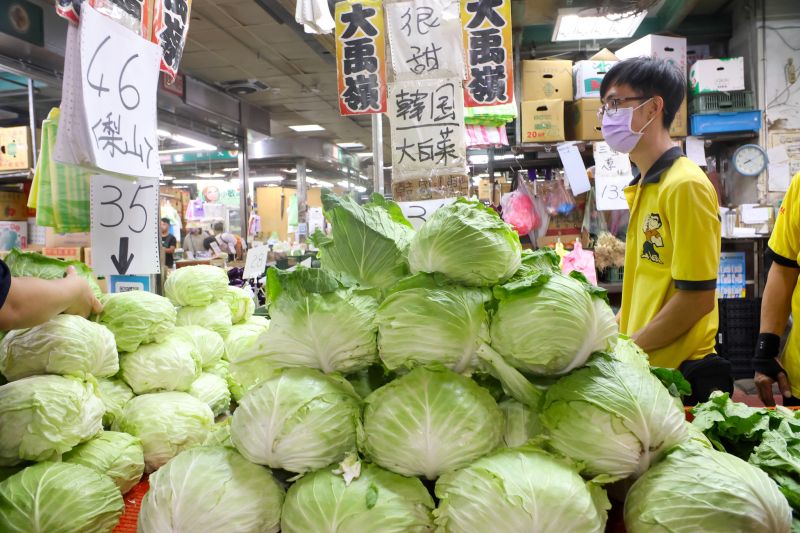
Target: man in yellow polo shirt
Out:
[669,304]
[781,298]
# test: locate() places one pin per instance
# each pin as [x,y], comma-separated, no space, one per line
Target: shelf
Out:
[734,136]
[547,147]
[15,177]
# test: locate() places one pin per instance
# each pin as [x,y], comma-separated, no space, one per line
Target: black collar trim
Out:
[662,163]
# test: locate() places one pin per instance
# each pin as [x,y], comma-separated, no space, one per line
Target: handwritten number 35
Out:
[128,93]
[121,211]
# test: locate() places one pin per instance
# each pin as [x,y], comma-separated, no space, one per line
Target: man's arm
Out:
[676,318]
[171,249]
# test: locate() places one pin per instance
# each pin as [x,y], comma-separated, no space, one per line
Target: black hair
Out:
[165,219]
[218,226]
[207,242]
[651,77]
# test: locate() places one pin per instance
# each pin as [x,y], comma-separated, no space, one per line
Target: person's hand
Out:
[764,385]
[768,369]
[84,302]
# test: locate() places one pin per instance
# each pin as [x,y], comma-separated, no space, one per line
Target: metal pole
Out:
[302,207]
[377,153]
[32,115]
[244,191]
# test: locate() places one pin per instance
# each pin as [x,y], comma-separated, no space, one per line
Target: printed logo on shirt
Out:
[652,238]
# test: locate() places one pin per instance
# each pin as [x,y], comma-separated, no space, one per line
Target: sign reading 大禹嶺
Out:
[487,40]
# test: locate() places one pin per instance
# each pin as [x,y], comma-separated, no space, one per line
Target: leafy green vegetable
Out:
[215,316]
[468,243]
[430,421]
[137,317]
[212,390]
[42,417]
[208,344]
[521,423]
[778,455]
[673,380]
[213,490]
[59,498]
[519,490]
[172,365]
[196,286]
[377,500]
[241,304]
[35,265]
[66,345]
[114,393]
[118,455]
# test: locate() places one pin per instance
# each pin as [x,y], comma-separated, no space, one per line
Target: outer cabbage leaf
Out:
[196,286]
[521,423]
[212,390]
[468,243]
[215,316]
[208,344]
[172,365]
[778,455]
[137,317]
[213,490]
[42,417]
[114,393]
[35,265]
[66,345]
[118,455]
[241,304]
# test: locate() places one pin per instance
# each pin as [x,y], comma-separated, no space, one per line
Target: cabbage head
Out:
[467,242]
[241,340]
[247,368]
[35,265]
[613,417]
[299,420]
[196,286]
[215,316]
[213,391]
[170,365]
[137,317]
[521,423]
[118,455]
[421,322]
[67,345]
[208,344]
[114,393]
[220,369]
[241,304]
[700,489]
[333,331]
[549,324]
[429,422]
[59,498]
[369,243]
[43,417]
[376,500]
[258,321]
[519,490]
[213,490]
[167,423]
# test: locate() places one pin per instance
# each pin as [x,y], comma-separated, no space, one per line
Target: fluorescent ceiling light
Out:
[307,127]
[178,150]
[199,145]
[351,145]
[163,133]
[359,188]
[187,182]
[266,179]
[364,154]
[480,159]
[166,178]
[579,24]
[343,183]
[210,175]
[231,169]
[294,170]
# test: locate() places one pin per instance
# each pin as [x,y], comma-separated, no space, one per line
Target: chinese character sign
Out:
[170,27]
[612,173]
[427,119]
[360,57]
[487,40]
[425,38]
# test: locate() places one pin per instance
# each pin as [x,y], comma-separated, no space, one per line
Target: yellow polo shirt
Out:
[673,243]
[784,245]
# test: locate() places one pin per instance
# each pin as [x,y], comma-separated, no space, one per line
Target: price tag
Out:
[256,263]
[612,173]
[419,212]
[124,217]
[574,168]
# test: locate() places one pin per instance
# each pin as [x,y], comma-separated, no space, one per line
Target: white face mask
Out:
[617,130]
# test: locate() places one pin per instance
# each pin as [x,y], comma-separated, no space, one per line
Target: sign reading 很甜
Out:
[360,57]
[487,40]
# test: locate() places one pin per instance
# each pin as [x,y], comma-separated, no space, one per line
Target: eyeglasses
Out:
[611,105]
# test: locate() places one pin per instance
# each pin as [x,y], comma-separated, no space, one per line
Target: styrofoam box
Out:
[672,49]
[717,75]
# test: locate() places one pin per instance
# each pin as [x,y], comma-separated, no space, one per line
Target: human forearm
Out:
[777,300]
[33,301]
[677,317]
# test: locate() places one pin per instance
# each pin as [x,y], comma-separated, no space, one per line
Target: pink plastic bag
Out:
[580,260]
[518,211]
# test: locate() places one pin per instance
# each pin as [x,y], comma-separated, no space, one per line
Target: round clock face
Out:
[750,160]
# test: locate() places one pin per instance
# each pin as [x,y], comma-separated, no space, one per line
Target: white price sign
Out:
[612,173]
[419,212]
[256,263]
[124,217]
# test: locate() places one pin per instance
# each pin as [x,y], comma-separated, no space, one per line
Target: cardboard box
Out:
[15,149]
[543,121]
[582,122]
[67,253]
[717,75]
[13,206]
[13,234]
[544,79]
[680,126]
[69,240]
[87,256]
[695,52]
[485,190]
[36,234]
[667,47]
[589,74]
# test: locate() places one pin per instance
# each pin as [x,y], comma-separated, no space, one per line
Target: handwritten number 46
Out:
[121,211]
[128,93]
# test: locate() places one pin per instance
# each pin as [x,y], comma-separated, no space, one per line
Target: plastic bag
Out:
[581,261]
[558,199]
[518,210]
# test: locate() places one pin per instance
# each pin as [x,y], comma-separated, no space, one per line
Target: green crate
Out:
[710,103]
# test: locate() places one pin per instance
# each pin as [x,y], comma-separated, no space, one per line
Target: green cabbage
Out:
[220,369]
[59,498]
[170,365]
[522,423]
[213,490]
[215,316]
[212,390]
[118,455]
[66,345]
[369,243]
[196,286]
[35,265]
[241,340]
[137,317]
[698,489]
[114,393]
[615,418]
[246,373]
[258,321]
[42,417]
[220,434]
[333,331]
[468,243]
[421,322]
[377,500]
[167,423]
[299,420]
[519,490]
[208,344]
[241,304]
[549,324]
[429,422]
